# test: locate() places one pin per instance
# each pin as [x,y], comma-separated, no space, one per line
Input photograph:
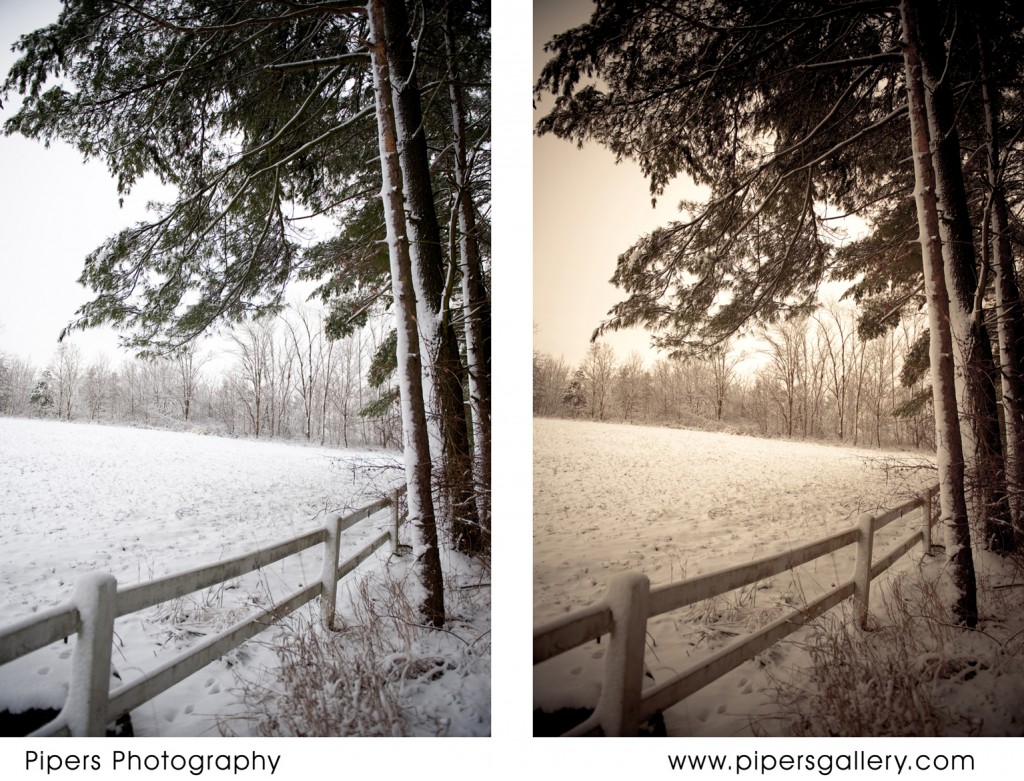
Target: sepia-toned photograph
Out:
[778,453]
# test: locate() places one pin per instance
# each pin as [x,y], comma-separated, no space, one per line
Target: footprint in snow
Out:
[170,715]
[43,671]
[576,670]
[703,715]
[189,709]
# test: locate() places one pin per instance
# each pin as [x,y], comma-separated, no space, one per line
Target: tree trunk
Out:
[970,336]
[475,308]
[953,505]
[433,287]
[1009,310]
[414,419]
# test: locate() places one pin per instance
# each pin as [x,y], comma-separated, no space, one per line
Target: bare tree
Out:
[838,330]
[189,365]
[723,371]
[66,369]
[96,387]
[20,380]
[598,368]
[630,384]
[550,376]
[307,346]
[785,350]
[250,379]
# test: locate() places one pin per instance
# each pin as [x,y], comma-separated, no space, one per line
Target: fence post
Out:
[396,519]
[862,572]
[329,576]
[619,706]
[86,707]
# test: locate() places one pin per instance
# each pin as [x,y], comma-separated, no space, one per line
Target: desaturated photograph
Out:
[777,374]
[245,423]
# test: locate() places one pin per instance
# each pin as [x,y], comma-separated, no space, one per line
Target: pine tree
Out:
[575,397]
[42,394]
[950,449]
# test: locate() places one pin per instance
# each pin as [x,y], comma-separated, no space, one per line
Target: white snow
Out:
[674,504]
[141,504]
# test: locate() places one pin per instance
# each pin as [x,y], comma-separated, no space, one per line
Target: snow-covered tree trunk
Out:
[414,419]
[474,301]
[949,447]
[1009,308]
[974,363]
[443,374]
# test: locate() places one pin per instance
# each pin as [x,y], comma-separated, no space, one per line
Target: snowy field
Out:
[141,504]
[677,503]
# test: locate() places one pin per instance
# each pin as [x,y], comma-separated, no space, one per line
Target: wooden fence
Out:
[630,602]
[97,602]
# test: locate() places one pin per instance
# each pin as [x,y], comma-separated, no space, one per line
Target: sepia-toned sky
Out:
[587,211]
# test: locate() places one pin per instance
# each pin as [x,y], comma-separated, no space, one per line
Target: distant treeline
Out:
[281,377]
[817,378]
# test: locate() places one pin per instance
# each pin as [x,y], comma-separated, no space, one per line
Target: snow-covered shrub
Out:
[381,672]
[327,684]
[883,681]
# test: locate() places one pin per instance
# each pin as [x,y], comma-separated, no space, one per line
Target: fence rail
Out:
[96,603]
[630,602]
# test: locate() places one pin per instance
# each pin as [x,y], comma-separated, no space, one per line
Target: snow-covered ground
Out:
[142,503]
[676,503]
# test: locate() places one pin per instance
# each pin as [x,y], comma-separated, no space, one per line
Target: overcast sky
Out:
[587,211]
[54,210]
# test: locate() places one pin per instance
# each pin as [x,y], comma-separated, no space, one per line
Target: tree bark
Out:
[1009,309]
[953,504]
[414,419]
[476,310]
[444,376]
[977,367]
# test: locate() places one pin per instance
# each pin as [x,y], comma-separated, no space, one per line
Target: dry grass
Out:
[346,682]
[737,612]
[326,686]
[884,681]
[355,680]
[180,620]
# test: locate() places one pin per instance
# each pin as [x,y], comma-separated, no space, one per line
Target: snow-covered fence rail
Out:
[630,602]
[96,603]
